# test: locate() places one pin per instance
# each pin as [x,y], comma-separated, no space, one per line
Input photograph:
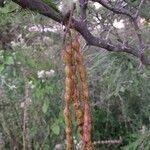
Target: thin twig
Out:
[138,10]
[69,23]
[83,6]
[117,10]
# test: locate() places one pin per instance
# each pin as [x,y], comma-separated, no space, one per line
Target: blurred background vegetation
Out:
[119,87]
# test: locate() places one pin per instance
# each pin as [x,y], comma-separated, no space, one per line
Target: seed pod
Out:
[69,86]
[82,72]
[69,49]
[79,59]
[67,57]
[69,83]
[87,142]
[74,62]
[67,97]
[76,44]
[68,71]
[69,138]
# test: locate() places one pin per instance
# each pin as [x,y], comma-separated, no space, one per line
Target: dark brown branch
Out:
[117,10]
[41,7]
[108,45]
[80,26]
[133,19]
[69,23]
[1,3]
[83,7]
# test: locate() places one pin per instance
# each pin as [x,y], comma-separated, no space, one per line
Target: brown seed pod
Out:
[68,122]
[69,86]
[87,141]
[79,58]
[69,49]
[77,107]
[67,97]
[69,83]
[76,74]
[76,44]
[82,72]
[67,57]
[69,71]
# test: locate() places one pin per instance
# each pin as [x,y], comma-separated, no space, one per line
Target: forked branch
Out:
[81,27]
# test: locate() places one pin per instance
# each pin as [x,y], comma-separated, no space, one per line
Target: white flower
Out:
[45,74]
[32,86]
[35,28]
[22,105]
[58,147]
[97,5]
[46,39]
[19,36]
[13,87]
[19,63]
[49,73]
[143,129]
[52,71]
[14,43]
[79,145]
[41,74]
[30,83]
[118,24]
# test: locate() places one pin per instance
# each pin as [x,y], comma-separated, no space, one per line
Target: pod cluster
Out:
[76,95]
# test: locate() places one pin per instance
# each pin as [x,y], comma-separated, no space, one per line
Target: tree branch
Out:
[117,10]
[138,10]
[81,27]
[41,7]
[83,6]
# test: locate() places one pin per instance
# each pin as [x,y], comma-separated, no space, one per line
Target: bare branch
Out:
[138,10]
[108,45]
[41,7]
[83,7]
[117,10]
[140,39]
[81,27]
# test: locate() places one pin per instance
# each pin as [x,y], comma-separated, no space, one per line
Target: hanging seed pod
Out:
[76,44]
[74,67]
[67,55]
[68,122]
[78,111]
[77,105]
[69,85]
[82,72]
[87,141]
[68,71]
[79,58]
[69,88]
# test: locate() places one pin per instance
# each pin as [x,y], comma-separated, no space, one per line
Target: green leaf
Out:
[55,128]
[1,68]
[9,61]
[122,89]
[8,8]
[45,107]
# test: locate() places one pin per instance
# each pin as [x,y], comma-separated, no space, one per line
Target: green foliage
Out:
[142,142]
[55,128]
[8,8]
[45,119]
[144,11]
[119,87]
[120,93]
